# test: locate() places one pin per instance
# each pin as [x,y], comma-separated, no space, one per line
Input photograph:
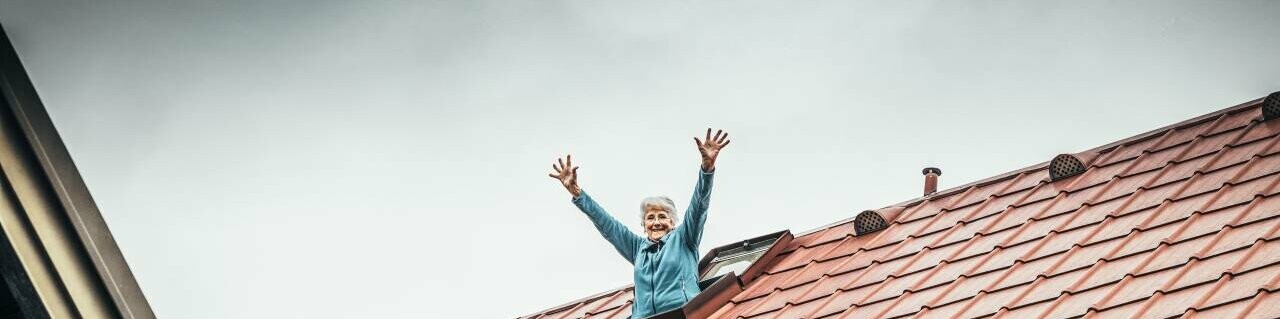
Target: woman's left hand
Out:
[710,148]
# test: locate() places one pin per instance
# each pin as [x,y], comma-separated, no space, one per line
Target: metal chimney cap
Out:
[934,170]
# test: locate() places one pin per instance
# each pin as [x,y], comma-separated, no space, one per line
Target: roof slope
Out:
[1180,220]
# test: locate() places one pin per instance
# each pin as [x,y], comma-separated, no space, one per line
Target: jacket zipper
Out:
[653,272]
[684,289]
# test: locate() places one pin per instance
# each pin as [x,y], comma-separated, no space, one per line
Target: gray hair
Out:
[660,201]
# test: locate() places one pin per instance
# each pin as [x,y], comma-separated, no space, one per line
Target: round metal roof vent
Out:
[868,221]
[1065,165]
[1271,106]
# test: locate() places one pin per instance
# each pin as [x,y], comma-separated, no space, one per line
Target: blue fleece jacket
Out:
[666,271]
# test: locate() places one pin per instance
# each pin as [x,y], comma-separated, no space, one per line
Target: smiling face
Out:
[657,222]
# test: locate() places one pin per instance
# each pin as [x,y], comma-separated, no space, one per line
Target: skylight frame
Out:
[765,246]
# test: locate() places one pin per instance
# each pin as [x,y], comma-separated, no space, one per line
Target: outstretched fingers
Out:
[564,168]
[719,140]
[558,172]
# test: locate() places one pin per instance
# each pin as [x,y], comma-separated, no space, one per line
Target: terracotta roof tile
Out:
[828,285]
[1262,305]
[906,305]
[834,303]
[619,313]
[738,309]
[1180,221]
[833,233]
[1260,131]
[777,299]
[810,273]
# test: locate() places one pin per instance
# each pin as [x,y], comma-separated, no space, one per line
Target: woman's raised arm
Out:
[696,214]
[623,240]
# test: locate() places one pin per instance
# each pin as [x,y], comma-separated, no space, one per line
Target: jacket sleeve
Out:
[626,242]
[696,215]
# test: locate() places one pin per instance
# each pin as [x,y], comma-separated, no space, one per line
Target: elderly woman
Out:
[666,259]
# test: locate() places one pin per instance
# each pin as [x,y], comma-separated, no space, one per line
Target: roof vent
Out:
[868,222]
[1271,106]
[1065,165]
[931,179]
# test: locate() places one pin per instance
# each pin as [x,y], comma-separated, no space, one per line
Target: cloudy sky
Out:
[389,159]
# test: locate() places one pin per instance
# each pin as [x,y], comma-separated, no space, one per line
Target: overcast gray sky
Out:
[389,159]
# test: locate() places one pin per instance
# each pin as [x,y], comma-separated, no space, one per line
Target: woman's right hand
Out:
[567,174]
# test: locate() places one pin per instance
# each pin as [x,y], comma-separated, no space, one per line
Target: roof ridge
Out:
[1101,150]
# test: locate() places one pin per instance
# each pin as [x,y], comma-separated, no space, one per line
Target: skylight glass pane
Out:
[736,264]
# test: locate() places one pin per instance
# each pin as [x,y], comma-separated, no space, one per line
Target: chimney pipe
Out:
[931,180]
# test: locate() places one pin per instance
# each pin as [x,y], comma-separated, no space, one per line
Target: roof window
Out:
[737,257]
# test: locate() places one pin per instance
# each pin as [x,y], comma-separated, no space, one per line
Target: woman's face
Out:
[656,222]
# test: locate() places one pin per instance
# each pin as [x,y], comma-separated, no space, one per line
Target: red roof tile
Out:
[1180,221]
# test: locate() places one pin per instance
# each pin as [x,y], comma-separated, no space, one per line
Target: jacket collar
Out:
[655,244]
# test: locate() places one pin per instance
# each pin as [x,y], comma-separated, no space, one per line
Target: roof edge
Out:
[590,298]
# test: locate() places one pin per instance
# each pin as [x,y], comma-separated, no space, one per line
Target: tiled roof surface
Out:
[613,304]
[1180,221]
